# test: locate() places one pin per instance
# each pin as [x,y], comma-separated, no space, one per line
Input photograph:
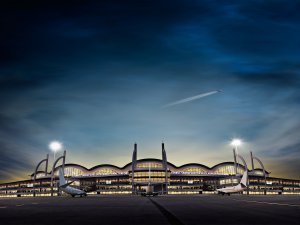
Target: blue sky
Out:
[96,75]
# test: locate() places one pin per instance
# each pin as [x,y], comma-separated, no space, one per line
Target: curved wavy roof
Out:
[193,165]
[156,160]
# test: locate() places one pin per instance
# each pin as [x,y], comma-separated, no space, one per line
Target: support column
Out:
[235,164]
[165,166]
[252,162]
[64,161]
[133,164]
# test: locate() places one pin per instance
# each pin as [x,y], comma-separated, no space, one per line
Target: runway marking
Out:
[19,205]
[172,219]
[269,203]
[3,207]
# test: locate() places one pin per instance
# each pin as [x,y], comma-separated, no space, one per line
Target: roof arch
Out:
[224,167]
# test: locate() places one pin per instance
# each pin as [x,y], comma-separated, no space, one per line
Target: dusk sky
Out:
[96,76]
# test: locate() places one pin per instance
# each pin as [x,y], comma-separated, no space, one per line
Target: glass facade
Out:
[71,171]
[149,164]
[195,170]
[103,171]
[189,179]
[228,169]
[152,174]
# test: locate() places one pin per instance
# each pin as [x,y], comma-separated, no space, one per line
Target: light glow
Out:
[55,146]
[236,142]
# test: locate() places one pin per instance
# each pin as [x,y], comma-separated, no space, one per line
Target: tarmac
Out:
[169,210]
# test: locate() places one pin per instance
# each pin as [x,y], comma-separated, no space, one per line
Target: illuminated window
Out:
[258,172]
[228,169]
[195,170]
[71,171]
[152,174]
[102,171]
[151,165]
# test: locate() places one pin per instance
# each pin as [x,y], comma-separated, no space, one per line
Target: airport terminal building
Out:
[165,177]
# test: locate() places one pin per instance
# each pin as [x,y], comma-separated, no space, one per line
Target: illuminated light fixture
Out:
[55,146]
[236,142]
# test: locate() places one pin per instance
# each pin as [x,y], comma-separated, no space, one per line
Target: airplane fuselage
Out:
[229,190]
[73,191]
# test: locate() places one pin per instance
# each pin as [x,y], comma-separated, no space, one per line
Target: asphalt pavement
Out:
[170,210]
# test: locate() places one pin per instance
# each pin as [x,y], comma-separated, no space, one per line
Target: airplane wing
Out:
[89,188]
[66,185]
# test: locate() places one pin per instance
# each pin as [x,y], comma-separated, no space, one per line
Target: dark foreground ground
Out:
[173,210]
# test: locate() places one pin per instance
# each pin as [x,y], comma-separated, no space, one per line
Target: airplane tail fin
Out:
[62,180]
[244,179]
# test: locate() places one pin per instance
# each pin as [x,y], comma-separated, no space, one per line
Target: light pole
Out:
[55,146]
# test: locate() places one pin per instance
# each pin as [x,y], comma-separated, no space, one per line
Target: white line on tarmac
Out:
[269,203]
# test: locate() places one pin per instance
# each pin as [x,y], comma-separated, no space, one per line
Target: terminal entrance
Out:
[158,188]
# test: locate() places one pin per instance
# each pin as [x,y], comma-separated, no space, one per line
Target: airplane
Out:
[65,187]
[235,189]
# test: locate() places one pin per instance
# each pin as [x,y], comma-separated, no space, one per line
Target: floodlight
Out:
[55,146]
[236,142]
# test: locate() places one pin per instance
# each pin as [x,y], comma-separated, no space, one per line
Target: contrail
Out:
[192,98]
